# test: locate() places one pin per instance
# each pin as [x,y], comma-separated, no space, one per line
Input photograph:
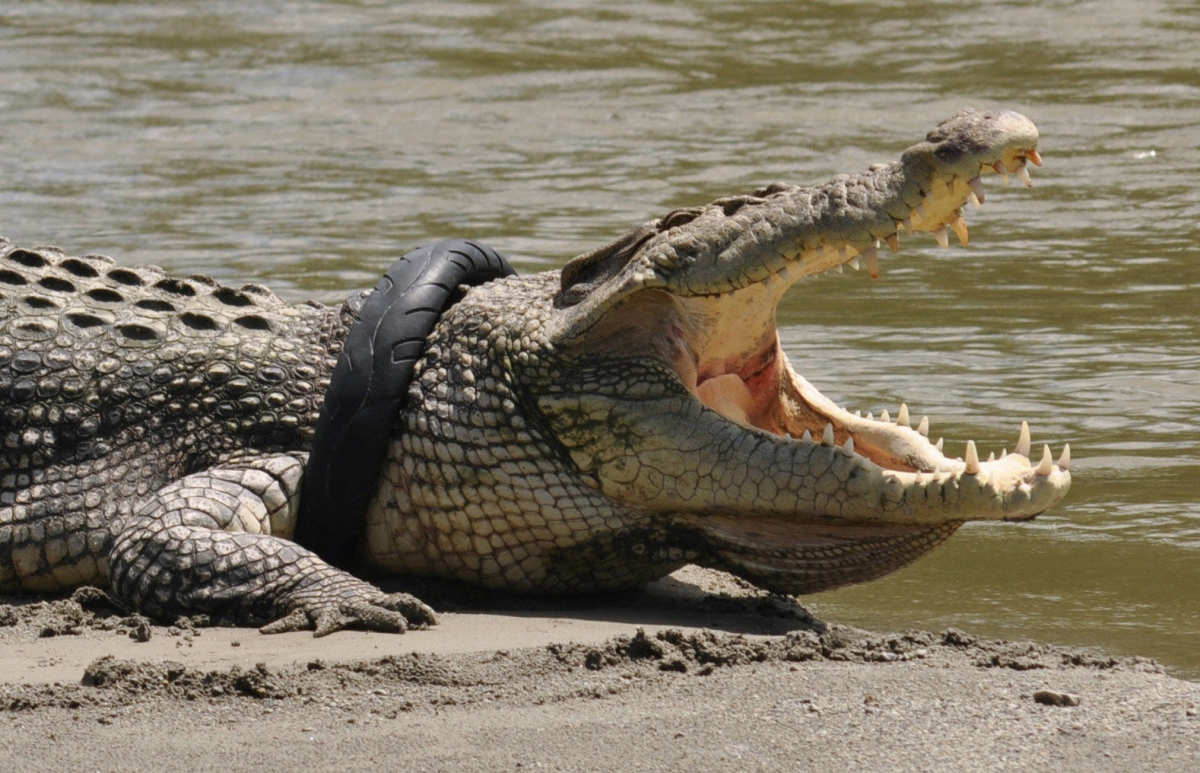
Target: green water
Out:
[305,145]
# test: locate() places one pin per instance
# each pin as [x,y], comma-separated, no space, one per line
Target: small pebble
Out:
[1055,698]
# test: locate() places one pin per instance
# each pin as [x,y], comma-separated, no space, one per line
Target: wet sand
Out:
[699,672]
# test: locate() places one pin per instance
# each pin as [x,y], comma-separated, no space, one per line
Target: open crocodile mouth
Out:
[805,494]
[725,348]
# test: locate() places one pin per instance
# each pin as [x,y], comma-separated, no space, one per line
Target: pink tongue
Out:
[728,396]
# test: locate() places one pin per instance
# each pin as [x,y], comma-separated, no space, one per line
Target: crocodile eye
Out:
[680,217]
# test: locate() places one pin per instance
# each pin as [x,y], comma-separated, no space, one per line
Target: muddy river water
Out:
[305,145]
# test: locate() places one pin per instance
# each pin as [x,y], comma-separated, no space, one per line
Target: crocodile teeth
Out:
[960,229]
[976,185]
[838,268]
[902,417]
[884,416]
[893,242]
[1034,156]
[938,444]
[1064,461]
[870,416]
[848,446]
[923,427]
[827,437]
[971,457]
[991,457]
[1023,175]
[806,437]
[853,263]
[942,240]
[1023,442]
[907,223]
[1001,170]
[871,258]
[1046,466]
[920,210]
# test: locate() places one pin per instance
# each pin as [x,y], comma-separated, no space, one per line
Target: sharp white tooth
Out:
[960,229]
[907,223]
[883,416]
[991,457]
[972,459]
[788,435]
[853,263]
[871,258]
[1064,461]
[976,184]
[1023,442]
[870,416]
[975,202]
[839,268]
[1003,452]
[920,210]
[902,417]
[1001,170]
[1046,466]
[893,242]
[1023,175]
[1034,156]
[849,445]
[807,437]
[938,445]
[923,427]
[858,414]
[942,240]
[827,438]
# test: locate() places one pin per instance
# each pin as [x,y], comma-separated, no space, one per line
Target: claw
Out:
[296,620]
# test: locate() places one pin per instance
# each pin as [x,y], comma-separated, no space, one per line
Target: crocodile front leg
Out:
[213,543]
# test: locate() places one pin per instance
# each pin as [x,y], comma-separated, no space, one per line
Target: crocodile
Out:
[572,431]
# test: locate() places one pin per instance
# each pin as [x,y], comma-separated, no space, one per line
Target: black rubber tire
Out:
[369,385]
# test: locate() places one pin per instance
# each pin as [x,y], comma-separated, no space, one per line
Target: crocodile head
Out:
[692,411]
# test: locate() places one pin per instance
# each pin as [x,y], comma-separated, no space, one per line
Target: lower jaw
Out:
[785,556]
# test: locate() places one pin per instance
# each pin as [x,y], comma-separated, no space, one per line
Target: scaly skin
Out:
[580,430]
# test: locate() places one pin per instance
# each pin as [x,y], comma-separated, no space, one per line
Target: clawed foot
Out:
[384,613]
